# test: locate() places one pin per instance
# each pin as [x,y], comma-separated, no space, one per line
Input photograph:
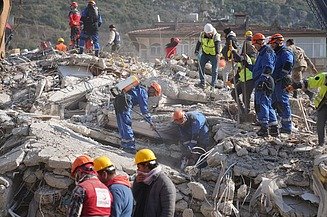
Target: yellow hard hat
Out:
[248,33]
[144,155]
[61,40]
[102,162]
[92,2]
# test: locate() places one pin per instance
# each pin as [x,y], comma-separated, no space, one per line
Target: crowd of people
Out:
[84,34]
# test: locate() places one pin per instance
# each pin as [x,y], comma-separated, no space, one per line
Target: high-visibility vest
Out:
[248,73]
[319,81]
[208,44]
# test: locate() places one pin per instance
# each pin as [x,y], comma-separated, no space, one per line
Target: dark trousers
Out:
[244,104]
[321,123]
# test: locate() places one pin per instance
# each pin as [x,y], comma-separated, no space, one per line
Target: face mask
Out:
[141,173]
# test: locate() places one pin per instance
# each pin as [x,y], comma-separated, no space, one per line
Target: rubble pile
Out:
[59,107]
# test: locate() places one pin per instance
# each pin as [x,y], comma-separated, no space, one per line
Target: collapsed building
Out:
[55,107]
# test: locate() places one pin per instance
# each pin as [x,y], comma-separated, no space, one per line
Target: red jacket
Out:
[170,51]
[98,199]
[74,18]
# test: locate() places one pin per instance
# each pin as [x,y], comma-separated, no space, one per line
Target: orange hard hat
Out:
[80,161]
[179,116]
[276,38]
[222,63]
[258,37]
[157,87]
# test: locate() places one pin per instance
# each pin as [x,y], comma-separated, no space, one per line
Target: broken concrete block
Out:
[29,176]
[209,174]
[11,160]
[216,159]
[5,100]
[59,161]
[57,181]
[241,151]
[188,213]
[6,194]
[177,178]
[47,195]
[181,205]
[197,190]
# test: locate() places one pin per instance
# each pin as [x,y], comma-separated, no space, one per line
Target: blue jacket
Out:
[266,60]
[139,96]
[284,63]
[193,126]
[91,19]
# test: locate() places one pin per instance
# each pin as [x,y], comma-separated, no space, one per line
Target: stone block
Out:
[57,181]
[11,160]
[197,190]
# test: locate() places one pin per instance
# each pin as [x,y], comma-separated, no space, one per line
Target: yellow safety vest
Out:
[319,81]
[248,73]
[208,45]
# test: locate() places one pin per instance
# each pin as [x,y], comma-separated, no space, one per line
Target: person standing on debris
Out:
[91,20]
[301,63]
[282,78]
[264,85]
[230,45]
[320,101]
[119,186]
[194,132]
[247,47]
[154,192]
[124,104]
[114,39]
[60,46]
[171,48]
[74,23]
[90,197]
[244,85]
[209,41]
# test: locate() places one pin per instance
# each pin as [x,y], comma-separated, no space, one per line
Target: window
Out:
[314,47]
[155,49]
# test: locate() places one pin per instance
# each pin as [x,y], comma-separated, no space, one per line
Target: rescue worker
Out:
[247,47]
[74,23]
[209,41]
[114,39]
[60,46]
[244,85]
[264,85]
[194,132]
[301,63]
[124,104]
[320,101]
[282,78]
[230,45]
[91,20]
[119,186]
[171,48]
[154,192]
[90,197]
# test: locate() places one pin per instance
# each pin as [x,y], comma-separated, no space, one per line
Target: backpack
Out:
[90,21]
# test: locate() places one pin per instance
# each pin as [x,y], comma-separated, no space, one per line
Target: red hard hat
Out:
[276,38]
[79,161]
[222,63]
[257,37]
[74,4]
[157,87]
[178,116]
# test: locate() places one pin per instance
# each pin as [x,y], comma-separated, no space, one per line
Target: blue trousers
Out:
[281,103]
[124,122]
[203,137]
[95,38]
[265,113]
[203,60]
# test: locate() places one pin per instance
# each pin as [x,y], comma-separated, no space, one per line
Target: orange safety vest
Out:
[61,47]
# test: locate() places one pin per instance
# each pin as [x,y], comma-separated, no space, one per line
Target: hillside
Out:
[37,20]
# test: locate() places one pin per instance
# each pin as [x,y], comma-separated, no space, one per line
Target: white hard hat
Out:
[208,28]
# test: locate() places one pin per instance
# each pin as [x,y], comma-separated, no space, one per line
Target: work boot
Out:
[96,53]
[200,85]
[81,50]
[273,131]
[263,132]
[282,130]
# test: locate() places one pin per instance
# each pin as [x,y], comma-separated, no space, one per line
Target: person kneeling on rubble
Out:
[194,135]
[90,197]
[119,186]
[320,101]
[124,104]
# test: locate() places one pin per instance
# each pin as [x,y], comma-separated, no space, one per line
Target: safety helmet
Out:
[144,155]
[157,87]
[80,161]
[276,38]
[208,28]
[248,33]
[91,2]
[177,40]
[179,116]
[257,37]
[102,162]
[61,40]
[74,4]
[112,26]
[222,63]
